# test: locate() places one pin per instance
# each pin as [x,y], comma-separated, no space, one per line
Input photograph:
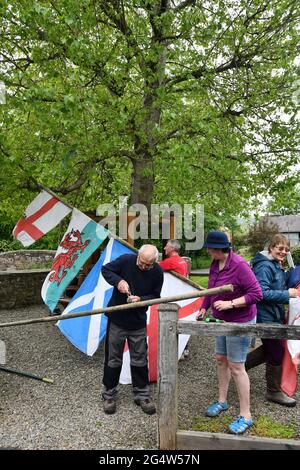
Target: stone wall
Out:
[21,288]
[26,259]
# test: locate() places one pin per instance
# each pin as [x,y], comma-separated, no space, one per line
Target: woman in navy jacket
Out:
[268,269]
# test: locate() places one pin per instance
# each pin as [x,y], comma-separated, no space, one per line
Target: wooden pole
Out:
[167,387]
[124,242]
[261,330]
[145,303]
[56,196]
[111,235]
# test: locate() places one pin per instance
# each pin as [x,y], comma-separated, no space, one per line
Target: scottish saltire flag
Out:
[41,216]
[188,311]
[82,238]
[86,333]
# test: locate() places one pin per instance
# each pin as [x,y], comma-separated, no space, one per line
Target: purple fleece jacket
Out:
[238,273]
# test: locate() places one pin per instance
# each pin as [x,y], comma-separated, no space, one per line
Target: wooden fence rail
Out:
[168,435]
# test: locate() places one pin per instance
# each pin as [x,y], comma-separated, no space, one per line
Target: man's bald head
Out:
[147,256]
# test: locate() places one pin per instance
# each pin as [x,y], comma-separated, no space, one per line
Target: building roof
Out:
[286,223]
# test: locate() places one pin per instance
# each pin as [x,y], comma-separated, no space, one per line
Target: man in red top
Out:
[173,261]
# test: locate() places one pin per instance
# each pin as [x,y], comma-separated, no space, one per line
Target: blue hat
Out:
[216,239]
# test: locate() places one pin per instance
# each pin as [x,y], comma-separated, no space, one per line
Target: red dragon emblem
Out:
[72,243]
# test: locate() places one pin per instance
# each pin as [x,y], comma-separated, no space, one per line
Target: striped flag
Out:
[188,311]
[86,333]
[41,216]
[82,238]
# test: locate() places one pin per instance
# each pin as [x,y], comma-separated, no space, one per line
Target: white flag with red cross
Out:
[41,216]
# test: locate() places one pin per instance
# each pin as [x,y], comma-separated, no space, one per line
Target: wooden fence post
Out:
[167,376]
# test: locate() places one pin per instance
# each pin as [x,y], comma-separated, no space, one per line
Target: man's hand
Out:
[133,298]
[123,287]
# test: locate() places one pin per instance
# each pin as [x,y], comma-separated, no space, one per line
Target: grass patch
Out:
[205,424]
[264,426]
[267,427]
[201,280]
[99,424]
[201,262]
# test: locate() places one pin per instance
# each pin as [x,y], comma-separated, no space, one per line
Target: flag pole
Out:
[117,308]
[123,242]
[111,235]
[26,374]
[41,186]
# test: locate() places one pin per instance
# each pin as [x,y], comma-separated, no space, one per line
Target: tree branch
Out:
[184,4]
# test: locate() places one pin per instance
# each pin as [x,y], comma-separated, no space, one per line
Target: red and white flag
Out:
[291,359]
[41,216]
[187,312]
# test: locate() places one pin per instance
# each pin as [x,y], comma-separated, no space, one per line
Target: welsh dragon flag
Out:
[82,238]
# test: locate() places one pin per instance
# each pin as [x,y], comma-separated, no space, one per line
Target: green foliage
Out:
[264,426]
[287,199]
[201,280]
[267,427]
[205,424]
[160,103]
[259,234]
[202,261]
[295,252]
[10,245]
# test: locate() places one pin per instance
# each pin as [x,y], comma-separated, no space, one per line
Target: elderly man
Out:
[173,261]
[135,278]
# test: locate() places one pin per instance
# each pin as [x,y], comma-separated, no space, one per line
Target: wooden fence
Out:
[169,437]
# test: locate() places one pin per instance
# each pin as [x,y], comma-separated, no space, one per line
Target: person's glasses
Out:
[283,248]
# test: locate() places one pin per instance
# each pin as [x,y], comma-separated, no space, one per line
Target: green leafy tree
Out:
[259,234]
[180,101]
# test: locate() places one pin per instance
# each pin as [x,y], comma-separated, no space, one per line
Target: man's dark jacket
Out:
[145,284]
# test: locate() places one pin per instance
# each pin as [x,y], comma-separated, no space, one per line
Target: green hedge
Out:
[295,251]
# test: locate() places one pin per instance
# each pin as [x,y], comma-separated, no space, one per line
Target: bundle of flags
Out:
[82,237]
[86,333]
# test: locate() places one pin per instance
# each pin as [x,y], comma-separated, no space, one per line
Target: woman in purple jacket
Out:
[238,307]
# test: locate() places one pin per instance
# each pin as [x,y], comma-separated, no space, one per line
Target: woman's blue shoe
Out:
[240,425]
[216,408]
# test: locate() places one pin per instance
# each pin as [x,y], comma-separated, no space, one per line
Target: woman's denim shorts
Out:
[234,347]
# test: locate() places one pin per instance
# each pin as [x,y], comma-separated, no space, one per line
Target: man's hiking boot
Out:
[147,405]
[109,406]
[274,392]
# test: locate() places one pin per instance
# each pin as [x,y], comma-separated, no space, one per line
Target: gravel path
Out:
[68,414]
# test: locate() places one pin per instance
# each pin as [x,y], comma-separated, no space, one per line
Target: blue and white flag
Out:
[86,333]
[82,238]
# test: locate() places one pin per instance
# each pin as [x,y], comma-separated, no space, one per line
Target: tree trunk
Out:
[142,180]
[147,123]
